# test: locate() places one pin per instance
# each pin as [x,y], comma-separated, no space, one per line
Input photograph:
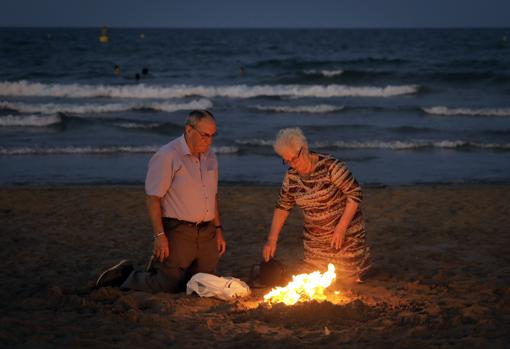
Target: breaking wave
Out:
[53,108]
[321,108]
[142,91]
[394,145]
[29,120]
[326,73]
[98,150]
[138,124]
[441,110]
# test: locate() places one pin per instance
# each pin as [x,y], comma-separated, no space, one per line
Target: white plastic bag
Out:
[225,288]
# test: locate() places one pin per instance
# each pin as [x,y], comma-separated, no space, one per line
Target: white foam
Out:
[78,150]
[320,108]
[98,150]
[141,91]
[29,120]
[441,110]
[255,141]
[137,125]
[92,108]
[224,149]
[326,73]
[393,145]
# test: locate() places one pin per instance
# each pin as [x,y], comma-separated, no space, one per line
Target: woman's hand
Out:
[269,250]
[161,247]
[338,238]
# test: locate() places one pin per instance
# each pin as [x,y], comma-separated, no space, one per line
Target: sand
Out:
[440,277]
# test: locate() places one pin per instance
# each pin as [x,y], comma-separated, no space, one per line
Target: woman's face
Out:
[295,158]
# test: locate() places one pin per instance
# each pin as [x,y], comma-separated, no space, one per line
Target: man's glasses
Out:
[205,135]
[294,159]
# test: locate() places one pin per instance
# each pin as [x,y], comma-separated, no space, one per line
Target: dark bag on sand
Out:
[268,274]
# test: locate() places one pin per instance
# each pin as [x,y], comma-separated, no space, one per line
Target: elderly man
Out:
[181,188]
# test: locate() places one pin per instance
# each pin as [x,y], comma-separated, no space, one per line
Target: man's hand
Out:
[269,250]
[161,247]
[220,242]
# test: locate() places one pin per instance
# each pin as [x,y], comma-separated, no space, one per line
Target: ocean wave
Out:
[295,63]
[138,124]
[29,120]
[393,145]
[53,108]
[141,91]
[98,150]
[324,72]
[441,110]
[415,144]
[320,108]
[255,142]
[225,149]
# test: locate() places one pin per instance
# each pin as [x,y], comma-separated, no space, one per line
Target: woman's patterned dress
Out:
[322,195]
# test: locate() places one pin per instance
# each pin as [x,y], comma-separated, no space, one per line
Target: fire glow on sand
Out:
[303,288]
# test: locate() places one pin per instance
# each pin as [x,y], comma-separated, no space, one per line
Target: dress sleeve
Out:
[159,174]
[285,199]
[343,179]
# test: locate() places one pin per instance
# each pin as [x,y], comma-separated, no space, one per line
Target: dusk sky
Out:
[256,14]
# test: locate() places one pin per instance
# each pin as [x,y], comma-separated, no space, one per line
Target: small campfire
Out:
[303,288]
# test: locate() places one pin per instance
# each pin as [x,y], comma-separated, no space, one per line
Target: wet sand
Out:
[440,277]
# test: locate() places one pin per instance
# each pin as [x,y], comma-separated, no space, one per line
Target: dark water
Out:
[398,106]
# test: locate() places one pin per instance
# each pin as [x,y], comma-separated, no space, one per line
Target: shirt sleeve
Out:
[160,174]
[285,200]
[343,179]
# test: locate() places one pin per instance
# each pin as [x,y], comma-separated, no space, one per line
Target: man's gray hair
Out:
[196,115]
[289,138]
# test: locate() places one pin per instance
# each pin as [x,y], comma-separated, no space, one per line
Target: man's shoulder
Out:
[174,146]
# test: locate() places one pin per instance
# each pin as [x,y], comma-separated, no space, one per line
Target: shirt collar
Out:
[184,146]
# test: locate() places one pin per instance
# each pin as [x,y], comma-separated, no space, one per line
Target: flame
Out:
[303,287]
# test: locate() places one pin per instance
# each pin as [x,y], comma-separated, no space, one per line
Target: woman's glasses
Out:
[294,159]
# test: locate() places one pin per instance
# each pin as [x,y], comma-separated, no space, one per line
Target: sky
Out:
[256,13]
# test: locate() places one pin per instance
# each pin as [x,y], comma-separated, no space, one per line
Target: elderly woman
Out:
[329,196]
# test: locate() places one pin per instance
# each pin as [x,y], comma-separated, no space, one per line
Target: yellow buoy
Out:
[142,36]
[103,38]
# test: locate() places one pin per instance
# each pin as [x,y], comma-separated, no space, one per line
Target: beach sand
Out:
[440,277]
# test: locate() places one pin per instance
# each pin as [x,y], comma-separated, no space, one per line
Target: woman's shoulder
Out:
[327,159]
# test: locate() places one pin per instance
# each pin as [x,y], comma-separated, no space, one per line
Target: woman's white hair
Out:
[290,138]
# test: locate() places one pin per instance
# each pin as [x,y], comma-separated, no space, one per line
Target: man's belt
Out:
[198,225]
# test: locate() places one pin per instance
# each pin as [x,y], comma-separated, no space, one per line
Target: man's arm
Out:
[161,245]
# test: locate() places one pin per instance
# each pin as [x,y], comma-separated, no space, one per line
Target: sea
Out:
[398,106]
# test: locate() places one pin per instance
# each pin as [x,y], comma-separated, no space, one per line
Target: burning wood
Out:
[303,288]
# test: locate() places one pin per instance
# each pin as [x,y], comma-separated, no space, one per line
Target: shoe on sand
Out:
[115,275]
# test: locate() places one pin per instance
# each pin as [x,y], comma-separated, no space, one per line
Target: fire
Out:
[303,287]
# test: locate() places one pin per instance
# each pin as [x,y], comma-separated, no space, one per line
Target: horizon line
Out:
[250,28]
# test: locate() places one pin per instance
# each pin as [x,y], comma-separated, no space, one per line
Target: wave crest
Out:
[29,120]
[442,110]
[324,72]
[321,108]
[393,145]
[142,91]
[90,108]
[98,150]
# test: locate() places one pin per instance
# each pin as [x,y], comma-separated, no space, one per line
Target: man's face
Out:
[201,136]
